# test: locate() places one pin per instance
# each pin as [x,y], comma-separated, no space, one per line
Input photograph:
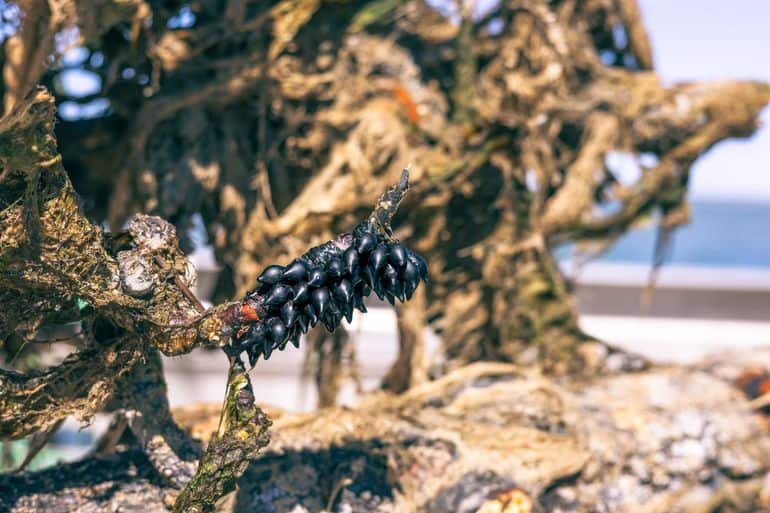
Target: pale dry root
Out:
[280,143]
[486,437]
[129,292]
[285,141]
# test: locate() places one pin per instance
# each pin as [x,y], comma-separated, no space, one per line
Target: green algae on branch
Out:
[242,432]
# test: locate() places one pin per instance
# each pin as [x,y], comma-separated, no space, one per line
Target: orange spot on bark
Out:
[750,375]
[248,313]
[404,98]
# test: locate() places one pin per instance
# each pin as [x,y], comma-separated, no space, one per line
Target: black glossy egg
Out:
[257,331]
[271,275]
[334,268]
[411,277]
[296,272]
[302,322]
[278,331]
[391,280]
[359,304]
[398,256]
[377,258]
[278,295]
[351,259]
[317,277]
[420,264]
[267,348]
[295,339]
[289,313]
[301,293]
[365,243]
[368,275]
[343,292]
[320,300]
[310,313]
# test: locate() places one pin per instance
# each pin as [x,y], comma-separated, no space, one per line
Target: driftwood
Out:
[129,292]
[279,123]
[486,438]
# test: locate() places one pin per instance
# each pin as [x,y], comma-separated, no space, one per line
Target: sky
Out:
[709,40]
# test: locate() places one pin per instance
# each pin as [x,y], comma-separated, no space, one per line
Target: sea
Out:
[720,234]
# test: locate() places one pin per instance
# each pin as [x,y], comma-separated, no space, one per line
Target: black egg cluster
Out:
[325,285]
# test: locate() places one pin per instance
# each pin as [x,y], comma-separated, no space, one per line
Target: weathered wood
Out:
[280,128]
[663,440]
[277,131]
[54,263]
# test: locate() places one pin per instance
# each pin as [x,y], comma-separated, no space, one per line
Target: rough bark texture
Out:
[242,433]
[485,438]
[279,121]
[129,293]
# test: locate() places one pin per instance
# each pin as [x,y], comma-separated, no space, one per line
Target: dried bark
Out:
[282,127]
[279,123]
[130,293]
[483,437]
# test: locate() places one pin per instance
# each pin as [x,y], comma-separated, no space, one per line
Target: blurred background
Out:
[713,292]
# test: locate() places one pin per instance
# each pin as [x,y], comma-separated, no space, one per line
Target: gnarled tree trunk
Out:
[278,123]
